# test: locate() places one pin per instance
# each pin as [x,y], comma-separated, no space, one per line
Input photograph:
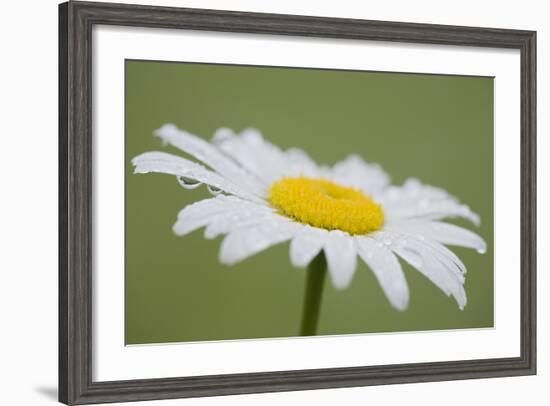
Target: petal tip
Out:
[340,285]
[225,259]
[399,300]
[221,135]
[401,306]
[165,132]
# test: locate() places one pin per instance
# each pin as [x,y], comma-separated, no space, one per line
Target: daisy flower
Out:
[332,216]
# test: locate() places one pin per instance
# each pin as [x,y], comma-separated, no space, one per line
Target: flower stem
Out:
[315,280]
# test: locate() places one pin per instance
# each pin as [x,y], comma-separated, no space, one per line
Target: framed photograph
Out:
[259,202]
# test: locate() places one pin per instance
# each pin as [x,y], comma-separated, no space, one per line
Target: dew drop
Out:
[481,250]
[188,183]
[387,241]
[213,190]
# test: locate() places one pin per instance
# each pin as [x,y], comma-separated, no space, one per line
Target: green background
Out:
[434,127]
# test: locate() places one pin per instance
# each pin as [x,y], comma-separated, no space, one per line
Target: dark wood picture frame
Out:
[76,20]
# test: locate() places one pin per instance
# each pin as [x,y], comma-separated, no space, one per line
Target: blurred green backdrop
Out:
[434,127]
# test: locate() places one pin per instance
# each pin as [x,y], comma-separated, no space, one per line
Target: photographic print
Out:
[270,202]
[254,202]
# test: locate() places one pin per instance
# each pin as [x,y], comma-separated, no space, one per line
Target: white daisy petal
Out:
[197,215]
[441,253]
[341,257]
[354,172]
[243,243]
[201,213]
[410,256]
[238,219]
[447,254]
[210,155]
[161,162]
[386,269]
[401,236]
[260,157]
[444,280]
[416,201]
[222,210]
[251,151]
[443,232]
[301,164]
[306,244]
[441,271]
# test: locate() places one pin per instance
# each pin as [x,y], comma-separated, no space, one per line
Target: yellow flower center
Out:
[325,204]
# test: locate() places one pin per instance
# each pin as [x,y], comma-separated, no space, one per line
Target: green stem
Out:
[315,280]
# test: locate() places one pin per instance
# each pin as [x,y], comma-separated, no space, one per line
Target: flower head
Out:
[264,196]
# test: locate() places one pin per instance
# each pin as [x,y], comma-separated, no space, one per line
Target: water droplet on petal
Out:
[188,183]
[213,190]
[481,250]
[387,241]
